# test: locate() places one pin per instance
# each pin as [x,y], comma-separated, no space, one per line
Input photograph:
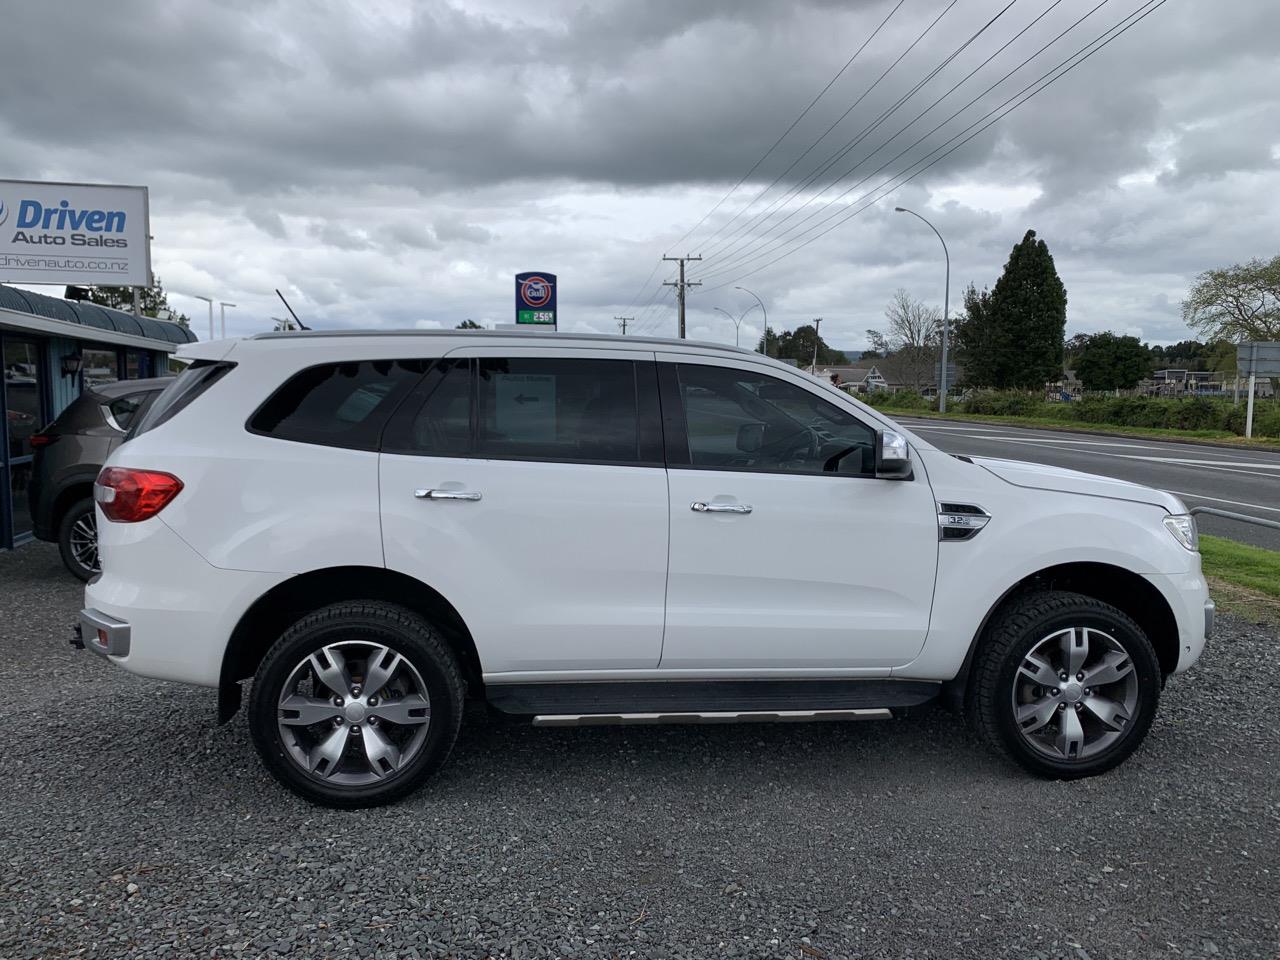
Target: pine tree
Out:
[975,339]
[1028,311]
[154,299]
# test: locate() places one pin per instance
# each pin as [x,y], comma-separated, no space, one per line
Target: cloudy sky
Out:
[393,164]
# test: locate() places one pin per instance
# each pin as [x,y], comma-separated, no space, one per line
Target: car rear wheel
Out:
[78,539]
[356,705]
[1065,685]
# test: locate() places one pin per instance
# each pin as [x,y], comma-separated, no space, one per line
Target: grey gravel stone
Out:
[873,840]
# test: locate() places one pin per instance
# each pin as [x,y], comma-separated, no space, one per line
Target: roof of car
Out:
[531,336]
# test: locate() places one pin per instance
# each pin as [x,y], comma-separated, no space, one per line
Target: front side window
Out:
[337,404]
[743,420]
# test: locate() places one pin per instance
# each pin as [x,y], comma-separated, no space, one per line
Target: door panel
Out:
[560,565]
[795,557]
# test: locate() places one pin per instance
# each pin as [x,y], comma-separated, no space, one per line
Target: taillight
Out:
[38,440]
[127,495]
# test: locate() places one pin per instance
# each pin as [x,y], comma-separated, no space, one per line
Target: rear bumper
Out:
[176,610]
[103,634]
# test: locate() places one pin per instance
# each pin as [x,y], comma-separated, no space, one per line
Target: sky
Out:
[394,164]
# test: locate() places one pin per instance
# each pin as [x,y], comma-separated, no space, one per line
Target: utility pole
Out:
[623,321]
[681,285]
[816,324]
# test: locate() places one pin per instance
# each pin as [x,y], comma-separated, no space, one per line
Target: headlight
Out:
[1183,528]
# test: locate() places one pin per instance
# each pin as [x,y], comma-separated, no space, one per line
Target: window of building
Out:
[99,365]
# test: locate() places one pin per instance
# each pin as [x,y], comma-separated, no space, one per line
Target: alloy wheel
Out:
[353,713]
[1075,693]
[84,541]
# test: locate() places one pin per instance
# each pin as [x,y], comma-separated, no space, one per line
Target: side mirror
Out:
[893,458]
[751,437]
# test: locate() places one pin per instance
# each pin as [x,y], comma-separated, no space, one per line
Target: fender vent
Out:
[960,521]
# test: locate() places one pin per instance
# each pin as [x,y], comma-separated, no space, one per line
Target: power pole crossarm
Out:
[681,286]
[622,323]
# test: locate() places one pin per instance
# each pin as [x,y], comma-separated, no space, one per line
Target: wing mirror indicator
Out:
[893,456]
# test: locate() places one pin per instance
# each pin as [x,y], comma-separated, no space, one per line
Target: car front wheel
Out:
[356,705]
[1065,685]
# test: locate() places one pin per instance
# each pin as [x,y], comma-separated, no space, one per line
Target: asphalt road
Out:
[134,827]
[1242,481]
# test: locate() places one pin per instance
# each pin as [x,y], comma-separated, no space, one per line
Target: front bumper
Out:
[103,634]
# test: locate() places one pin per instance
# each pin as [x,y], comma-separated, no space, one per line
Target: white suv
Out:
[585,529]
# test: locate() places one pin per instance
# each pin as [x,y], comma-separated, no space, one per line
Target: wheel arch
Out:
[1129,592]
[70,493]
[289,601]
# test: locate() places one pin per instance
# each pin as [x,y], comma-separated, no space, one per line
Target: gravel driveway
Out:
[135,827]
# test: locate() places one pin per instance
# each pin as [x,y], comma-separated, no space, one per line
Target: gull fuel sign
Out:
[74,233]
[536,298]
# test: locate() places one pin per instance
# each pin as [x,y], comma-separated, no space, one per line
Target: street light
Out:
[738,322]
[764,346]
[222,310]
[209,301]
[946,295]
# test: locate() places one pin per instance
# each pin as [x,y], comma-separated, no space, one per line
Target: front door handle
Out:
[447,494]
[700,506]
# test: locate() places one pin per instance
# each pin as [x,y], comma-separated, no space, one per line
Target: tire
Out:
[387,750]
[72,536]
[1046,629]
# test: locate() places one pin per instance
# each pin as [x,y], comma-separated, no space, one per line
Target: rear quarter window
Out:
[337,404]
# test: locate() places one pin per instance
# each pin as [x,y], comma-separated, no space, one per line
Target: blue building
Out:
[50,350]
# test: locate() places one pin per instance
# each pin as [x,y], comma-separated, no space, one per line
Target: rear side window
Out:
[337,404]
[186,386]
[574,410]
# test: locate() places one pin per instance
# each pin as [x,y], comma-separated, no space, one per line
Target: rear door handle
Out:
[700,506]
[447,494]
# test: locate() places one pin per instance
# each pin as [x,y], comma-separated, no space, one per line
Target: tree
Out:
[1026,318]
[913,341]
[1109,362]
[974,336]
[1239,303]
[797,345]
[153,300]
[468,324]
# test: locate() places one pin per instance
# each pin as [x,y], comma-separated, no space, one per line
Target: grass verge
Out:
[1212,437]
[1243,579]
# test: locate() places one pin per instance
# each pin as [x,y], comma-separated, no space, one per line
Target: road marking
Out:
[1236,503]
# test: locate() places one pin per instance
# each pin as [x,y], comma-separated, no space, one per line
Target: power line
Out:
[763,243]
[785,133]
[709,246]
[903,180]
[843,151]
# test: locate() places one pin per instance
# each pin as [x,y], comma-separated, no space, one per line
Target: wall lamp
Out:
[71,364]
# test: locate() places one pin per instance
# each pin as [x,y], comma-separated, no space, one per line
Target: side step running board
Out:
[746,716]
[713,698]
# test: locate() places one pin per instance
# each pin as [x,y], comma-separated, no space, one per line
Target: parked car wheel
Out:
[356,705]
[1065,685]
[78,539]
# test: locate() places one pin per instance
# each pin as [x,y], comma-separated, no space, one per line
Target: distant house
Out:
[858,377]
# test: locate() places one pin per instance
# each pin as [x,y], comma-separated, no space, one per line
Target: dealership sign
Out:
[76,233]
[536,298]
[1259,359]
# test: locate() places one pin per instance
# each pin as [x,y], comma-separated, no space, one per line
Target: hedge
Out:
[1184,413]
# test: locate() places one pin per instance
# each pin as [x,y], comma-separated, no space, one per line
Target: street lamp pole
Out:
[946,306]
[738,322]
[209,301]
[222,310]
[764,346]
